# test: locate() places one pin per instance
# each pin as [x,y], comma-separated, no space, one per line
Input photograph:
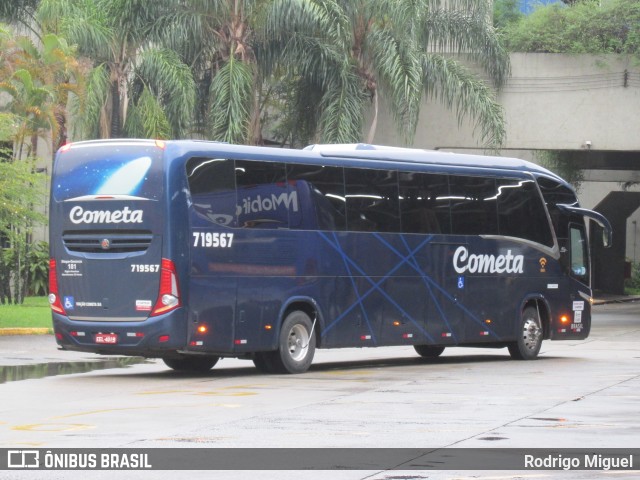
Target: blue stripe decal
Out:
[375,286]
[438,287]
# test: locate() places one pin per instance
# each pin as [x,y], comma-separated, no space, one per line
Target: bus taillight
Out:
[54,297]
[169,293]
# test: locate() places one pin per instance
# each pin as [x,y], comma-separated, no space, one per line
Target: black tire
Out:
[191,363]
[262,361]
[296,345]
[428,351]
[530,335]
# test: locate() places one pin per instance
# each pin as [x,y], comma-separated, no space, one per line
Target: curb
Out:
[616,300]
[25,331]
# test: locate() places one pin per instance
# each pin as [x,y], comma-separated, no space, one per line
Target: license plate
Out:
[108,338]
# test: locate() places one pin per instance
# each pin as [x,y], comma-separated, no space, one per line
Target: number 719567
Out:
[212,239]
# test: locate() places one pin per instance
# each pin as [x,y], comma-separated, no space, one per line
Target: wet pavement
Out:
[25,357]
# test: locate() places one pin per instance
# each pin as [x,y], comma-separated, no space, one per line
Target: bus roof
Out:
[356,153]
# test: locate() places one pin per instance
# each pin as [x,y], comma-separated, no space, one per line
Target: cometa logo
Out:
[509,263]
[79,215]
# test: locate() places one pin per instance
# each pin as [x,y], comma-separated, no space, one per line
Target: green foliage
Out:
[563,164]
[632,285]
[596,27]
[20,188]
[505,13]
[39,269]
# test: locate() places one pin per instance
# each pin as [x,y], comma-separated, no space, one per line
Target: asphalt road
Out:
[582,394]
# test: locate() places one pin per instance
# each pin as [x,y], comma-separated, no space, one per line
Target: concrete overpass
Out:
[586,105]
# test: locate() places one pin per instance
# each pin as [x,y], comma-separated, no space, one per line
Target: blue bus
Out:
[191,251]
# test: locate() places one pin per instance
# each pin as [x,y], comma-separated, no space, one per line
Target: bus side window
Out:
[212,187]
[372,200]
[521,211]
[424,203]
[326,186]
[579,258]
[264,199]
[473,205]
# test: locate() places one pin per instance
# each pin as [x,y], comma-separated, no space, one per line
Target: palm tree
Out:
[136,87]
[216,38]
[347,53]
[39,78]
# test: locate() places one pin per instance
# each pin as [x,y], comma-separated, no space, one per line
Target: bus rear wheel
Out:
[191,363]
[428,351]
[530,335]
[296,346]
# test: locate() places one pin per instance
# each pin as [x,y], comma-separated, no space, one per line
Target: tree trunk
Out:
[374,122]
[115,110]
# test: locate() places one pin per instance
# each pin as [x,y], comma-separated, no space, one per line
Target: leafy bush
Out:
[632,285]
[39,269]
[596,27]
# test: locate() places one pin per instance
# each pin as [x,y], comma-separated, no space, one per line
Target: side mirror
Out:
[607,234]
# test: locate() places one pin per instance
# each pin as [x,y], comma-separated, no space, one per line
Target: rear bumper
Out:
[153,337]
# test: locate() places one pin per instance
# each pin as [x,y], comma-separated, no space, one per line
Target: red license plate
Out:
[108,338]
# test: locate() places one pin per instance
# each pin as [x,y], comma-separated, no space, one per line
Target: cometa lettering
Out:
[79,215]
[472,263]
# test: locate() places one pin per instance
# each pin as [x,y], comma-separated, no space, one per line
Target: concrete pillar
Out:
[608,263]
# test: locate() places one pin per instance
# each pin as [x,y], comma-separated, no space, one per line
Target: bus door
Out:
[574,251]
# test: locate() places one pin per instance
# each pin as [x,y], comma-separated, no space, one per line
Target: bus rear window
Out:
[120,170]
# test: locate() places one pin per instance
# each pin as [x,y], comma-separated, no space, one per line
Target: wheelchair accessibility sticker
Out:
[69,303]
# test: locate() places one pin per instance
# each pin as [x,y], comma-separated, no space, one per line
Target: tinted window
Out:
[555,193]
[424,203]
[326,190]
[212,186]
[521,211]
[579,258]
[264,197]
[372,200]
[118,170]
[473,205]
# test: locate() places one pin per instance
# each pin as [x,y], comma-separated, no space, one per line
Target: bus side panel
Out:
[211,314]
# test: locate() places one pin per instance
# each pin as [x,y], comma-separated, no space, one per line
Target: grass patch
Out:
[34,313]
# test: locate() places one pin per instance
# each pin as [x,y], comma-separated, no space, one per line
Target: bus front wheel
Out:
[191,363]
[296,346]
[530,334]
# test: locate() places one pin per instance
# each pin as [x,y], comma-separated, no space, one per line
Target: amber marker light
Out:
[396,323]
[488,321]
[268,327]
[564,319]
[202,329]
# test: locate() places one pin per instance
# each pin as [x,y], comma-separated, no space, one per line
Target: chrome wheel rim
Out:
[298,343]
[531,335]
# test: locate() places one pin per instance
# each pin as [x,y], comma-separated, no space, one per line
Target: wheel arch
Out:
[544,312]
[307,305]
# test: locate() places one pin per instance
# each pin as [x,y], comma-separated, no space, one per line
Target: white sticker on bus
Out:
[463,262]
